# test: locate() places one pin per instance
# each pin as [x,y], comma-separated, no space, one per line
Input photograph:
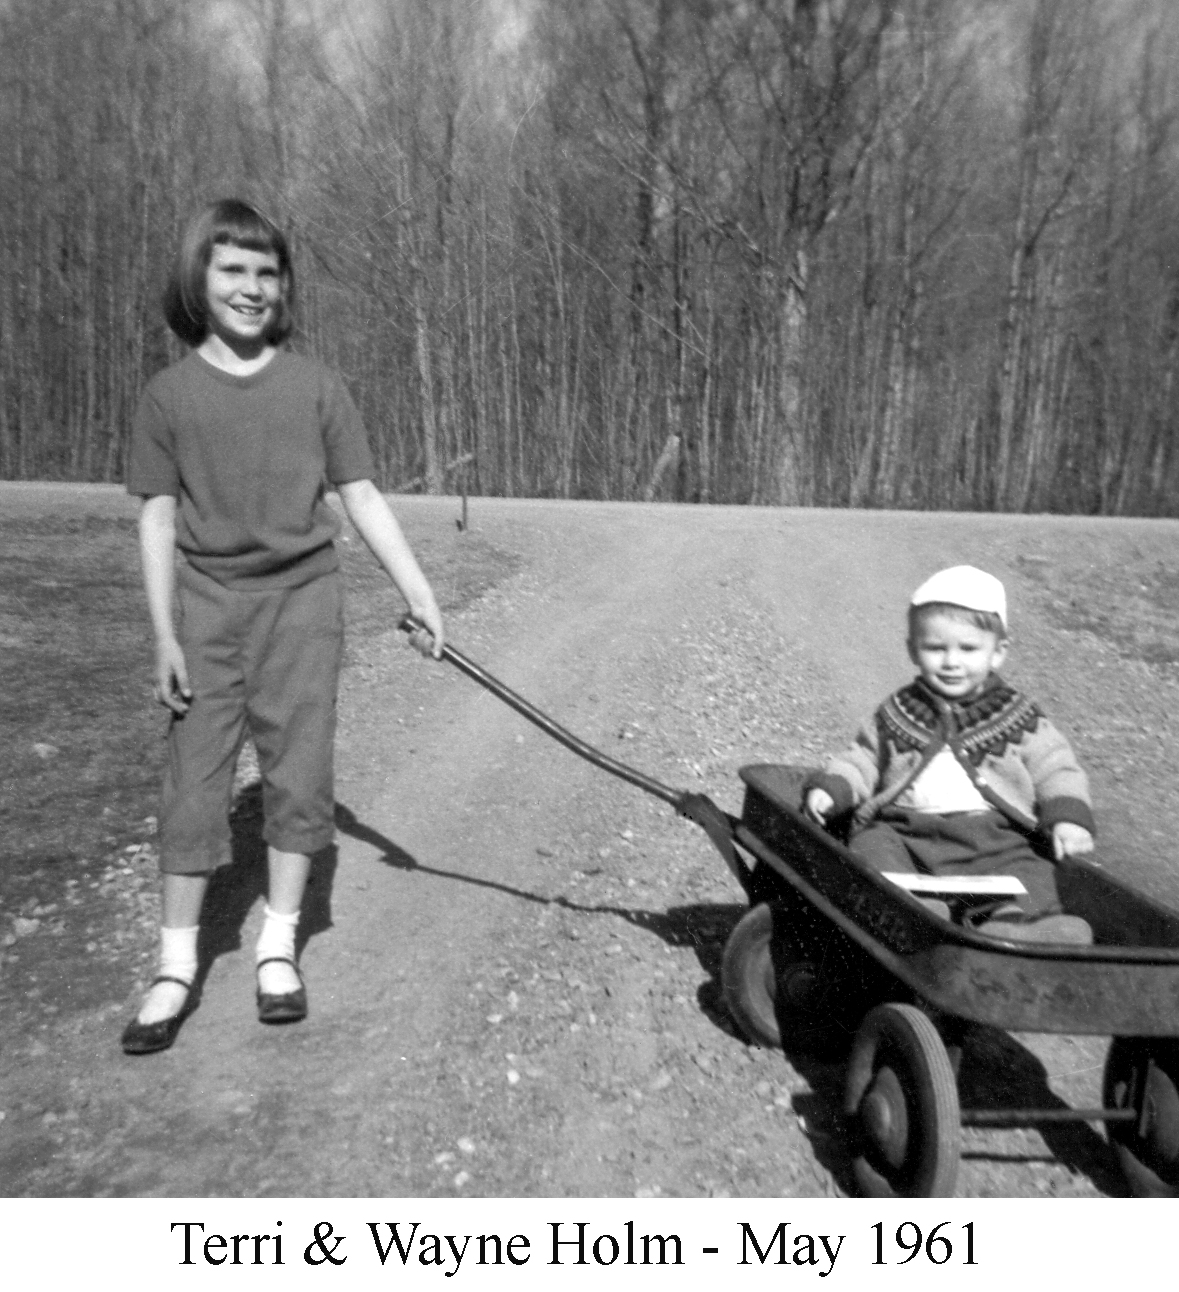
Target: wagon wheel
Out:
[1144,1075]
[902,1100]
[747,977]
[777,984]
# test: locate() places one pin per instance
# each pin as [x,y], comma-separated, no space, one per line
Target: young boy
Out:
[958,772]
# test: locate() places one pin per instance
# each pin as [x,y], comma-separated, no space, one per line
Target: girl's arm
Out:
[157,550]
[376,524]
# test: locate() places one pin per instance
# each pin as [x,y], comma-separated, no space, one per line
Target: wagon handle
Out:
[714,821]
[677,798]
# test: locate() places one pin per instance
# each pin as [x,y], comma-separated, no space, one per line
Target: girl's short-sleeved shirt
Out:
[249,460]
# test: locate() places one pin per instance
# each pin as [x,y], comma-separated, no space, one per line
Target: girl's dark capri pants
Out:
[960,843]
[267,663]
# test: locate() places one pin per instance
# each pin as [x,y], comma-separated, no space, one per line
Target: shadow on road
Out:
[234,889]
[703,927]
[997,1072]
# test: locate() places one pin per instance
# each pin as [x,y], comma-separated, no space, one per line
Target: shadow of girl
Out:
[234,889]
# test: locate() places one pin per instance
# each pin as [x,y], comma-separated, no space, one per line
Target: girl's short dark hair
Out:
[232,222]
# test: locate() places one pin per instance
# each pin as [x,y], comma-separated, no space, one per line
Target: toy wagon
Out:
[829,945]
[831,949]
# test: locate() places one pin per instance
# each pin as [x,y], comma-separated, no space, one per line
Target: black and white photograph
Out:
[589,638]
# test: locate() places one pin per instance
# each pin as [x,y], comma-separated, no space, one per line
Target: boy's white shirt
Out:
[943,787]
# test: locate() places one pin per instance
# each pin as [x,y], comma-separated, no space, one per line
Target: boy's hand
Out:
[172,689]
[430,639]
[818,805]
[1070,840]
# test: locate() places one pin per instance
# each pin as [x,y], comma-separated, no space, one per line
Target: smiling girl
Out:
[232,451]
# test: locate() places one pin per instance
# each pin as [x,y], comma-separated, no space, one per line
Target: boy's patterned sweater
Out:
[1017,759]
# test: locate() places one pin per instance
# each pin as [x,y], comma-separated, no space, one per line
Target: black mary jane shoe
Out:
[282,1007]
[149,1038]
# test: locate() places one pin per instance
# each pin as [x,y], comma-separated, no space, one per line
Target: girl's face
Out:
[244,288]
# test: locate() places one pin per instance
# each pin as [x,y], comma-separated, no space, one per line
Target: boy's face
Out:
[955,657]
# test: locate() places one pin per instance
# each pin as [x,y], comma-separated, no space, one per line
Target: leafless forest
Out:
[880,253]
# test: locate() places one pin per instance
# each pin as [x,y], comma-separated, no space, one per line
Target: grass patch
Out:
[81,762]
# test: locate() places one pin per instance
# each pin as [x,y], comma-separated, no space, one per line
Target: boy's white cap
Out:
[963,585]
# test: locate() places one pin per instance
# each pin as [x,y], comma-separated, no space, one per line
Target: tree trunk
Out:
[433,471]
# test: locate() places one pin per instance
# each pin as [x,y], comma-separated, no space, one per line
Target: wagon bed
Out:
[1126,984]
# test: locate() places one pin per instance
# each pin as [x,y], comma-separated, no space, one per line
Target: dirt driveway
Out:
[512,957]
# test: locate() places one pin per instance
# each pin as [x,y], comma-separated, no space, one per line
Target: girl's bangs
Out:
[250,237]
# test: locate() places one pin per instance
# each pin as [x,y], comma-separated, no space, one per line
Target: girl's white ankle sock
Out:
[278,935]
[178,952]
[178,959]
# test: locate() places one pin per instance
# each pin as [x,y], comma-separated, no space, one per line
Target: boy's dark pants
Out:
[266,663]
[959,843]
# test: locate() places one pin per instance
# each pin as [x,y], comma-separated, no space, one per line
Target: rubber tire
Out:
[748,980]
[1149,1161]
[899,1062]
[787,980]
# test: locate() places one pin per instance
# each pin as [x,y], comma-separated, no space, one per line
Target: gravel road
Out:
[512,957]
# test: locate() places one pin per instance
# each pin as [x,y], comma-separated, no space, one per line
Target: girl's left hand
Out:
[1070,840]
